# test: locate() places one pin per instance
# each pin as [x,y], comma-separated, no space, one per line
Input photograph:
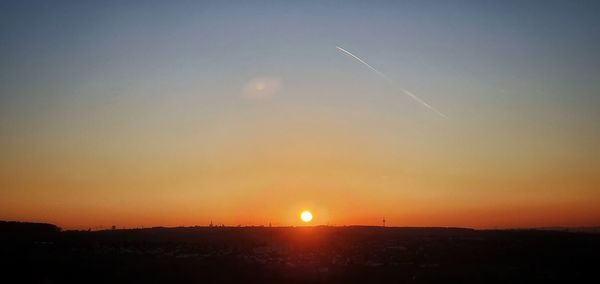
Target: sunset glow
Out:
[471,114]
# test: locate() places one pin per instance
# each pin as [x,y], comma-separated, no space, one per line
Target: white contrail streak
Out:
[411,95]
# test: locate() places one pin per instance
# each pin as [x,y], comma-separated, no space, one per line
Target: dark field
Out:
[41,253]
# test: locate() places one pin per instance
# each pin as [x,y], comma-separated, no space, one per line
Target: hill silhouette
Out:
[42,253]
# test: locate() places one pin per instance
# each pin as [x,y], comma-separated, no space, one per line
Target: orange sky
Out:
[250,168]
[171,114]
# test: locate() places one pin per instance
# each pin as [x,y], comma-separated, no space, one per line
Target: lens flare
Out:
[261,88]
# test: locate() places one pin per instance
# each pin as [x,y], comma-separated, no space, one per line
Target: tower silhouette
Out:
[383,221]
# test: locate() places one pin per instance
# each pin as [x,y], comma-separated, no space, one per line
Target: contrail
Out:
[411,95]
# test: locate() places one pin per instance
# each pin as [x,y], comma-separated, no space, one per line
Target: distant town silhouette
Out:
[42,253]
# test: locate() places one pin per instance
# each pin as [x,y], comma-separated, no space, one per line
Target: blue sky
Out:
[90,88]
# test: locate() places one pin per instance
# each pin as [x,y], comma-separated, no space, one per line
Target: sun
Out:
[306,216]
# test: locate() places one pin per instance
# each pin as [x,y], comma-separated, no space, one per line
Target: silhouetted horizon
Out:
[592,229]
[34,252]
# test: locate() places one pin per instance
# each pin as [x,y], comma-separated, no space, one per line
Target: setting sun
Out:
[306,216]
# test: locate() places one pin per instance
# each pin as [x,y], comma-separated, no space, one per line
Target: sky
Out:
[179,113]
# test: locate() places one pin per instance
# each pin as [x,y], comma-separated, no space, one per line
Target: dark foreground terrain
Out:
[42,253]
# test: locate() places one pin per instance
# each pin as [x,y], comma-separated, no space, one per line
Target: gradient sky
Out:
[173,113]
